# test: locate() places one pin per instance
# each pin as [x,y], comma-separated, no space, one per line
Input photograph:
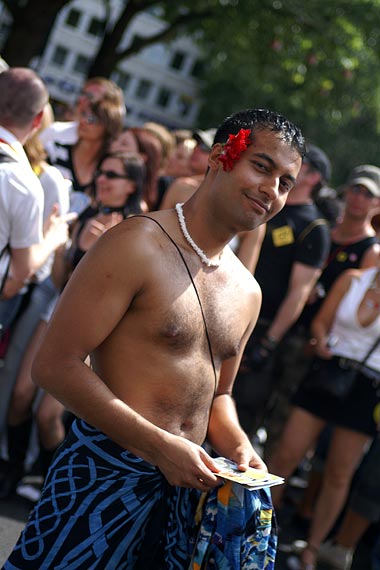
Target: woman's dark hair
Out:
[134,168]
[111,116]
[150,147]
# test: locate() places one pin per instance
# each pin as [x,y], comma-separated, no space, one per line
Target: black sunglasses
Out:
[90,118]
[88,95]
[111,174]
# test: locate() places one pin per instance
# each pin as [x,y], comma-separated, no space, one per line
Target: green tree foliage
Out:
[316,62]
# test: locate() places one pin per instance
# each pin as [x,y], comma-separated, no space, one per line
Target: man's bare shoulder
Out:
[142,231]
[128,250]
[241,274]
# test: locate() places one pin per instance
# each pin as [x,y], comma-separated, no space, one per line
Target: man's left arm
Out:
[302,280]
[309,260]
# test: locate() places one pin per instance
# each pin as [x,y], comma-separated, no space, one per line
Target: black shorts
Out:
[359,410]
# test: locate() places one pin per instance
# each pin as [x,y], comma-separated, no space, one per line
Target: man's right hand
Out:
[186,464]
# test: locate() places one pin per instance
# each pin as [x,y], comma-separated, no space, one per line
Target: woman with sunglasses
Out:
[99,122]
[119,182]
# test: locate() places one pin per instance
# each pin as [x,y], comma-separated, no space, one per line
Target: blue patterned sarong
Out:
[103,508]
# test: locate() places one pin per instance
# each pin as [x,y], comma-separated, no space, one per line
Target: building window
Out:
[178,60]
[185,104]
[122,79]
[73,18]
[197,69]
[97,27]
[163,98]
[81,65]
[143,88]
[59,56]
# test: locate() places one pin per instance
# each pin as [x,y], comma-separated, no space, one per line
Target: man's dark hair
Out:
[261,120]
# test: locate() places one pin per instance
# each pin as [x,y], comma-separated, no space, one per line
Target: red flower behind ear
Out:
[233,148]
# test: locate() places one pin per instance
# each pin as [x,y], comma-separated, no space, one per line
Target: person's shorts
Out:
[359,410]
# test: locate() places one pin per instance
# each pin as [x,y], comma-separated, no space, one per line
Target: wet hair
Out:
[23,95]
[134,168]
[261,120]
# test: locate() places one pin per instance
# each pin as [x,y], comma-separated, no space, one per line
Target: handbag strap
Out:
[373,347]
[196,292]
[4,278]
[5,158]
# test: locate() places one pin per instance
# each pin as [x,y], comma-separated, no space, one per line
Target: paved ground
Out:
[13,514]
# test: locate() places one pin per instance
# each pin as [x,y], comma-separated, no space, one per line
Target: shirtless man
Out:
[123,494]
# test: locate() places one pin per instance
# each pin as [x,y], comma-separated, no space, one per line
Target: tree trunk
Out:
[31,27]
[105,59]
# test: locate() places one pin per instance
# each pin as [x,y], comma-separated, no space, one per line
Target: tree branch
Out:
[140,42]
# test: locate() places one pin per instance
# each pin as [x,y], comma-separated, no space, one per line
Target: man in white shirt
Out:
[24,243]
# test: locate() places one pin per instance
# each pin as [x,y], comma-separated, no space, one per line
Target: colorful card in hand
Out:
[251,479]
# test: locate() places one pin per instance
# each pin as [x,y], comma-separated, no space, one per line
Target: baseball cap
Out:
[367,175]
[205,137]
[319,160]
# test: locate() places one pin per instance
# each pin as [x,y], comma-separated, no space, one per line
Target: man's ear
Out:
[213,159]
[37,120]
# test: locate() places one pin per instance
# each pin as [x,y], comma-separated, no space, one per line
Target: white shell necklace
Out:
[201,254]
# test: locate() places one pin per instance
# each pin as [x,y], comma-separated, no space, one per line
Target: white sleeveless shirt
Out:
[355,340]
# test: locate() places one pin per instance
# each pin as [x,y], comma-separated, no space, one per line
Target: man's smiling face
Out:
[260,181]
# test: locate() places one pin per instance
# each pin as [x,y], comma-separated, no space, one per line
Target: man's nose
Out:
[271,187]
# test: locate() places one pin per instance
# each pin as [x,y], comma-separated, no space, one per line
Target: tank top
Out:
[354,340]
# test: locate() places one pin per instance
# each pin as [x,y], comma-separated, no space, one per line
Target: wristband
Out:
[270,342]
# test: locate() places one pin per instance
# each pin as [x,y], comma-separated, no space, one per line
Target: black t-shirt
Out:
[297,234]
[342,257]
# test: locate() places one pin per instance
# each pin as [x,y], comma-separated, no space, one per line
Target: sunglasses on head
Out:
[90,118]
[202,146]
[111,174]
[358,189]
[88,95]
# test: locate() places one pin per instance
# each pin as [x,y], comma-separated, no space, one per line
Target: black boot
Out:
[18,442]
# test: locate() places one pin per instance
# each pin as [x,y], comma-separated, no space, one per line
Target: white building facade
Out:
[159,83]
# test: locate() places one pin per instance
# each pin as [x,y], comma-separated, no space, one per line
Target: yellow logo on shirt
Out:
[282,236]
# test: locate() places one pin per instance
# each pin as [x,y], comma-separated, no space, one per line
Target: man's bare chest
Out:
[181,312]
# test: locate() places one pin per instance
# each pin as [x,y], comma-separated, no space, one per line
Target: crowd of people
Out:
[114,374]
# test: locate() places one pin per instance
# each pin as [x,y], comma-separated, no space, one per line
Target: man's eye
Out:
[260,165]
[285,185]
